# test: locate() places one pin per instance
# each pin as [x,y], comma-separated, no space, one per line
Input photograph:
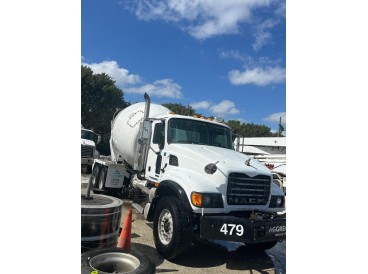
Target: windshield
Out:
[187,131]
[88,135]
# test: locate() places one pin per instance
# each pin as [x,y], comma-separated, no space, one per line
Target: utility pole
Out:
[279,127]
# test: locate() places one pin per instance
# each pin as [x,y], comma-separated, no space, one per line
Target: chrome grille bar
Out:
[245,190]
[87,151]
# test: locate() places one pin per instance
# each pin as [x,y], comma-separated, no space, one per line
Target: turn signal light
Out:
[196,199]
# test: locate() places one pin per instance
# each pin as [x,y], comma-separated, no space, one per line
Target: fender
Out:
[167,188]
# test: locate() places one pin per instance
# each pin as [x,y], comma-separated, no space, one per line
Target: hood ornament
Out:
[247,163]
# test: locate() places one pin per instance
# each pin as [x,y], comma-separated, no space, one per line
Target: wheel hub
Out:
[165,227]
[115,262]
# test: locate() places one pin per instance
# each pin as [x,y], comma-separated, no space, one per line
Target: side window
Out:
[159,134]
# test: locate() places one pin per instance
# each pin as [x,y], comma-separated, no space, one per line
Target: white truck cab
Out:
[88,148]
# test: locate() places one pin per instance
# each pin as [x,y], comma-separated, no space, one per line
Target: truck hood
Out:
[189,172]
[86,142]
[193,159]
[228,160]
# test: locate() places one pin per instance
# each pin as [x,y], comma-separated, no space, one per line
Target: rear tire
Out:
[102,178]
[261,246]
[96,177]
[172,228]
[95,173]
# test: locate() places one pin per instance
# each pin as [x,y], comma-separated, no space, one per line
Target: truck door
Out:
[155,153]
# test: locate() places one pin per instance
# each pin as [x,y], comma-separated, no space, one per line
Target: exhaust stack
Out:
[144,139]
[147,106]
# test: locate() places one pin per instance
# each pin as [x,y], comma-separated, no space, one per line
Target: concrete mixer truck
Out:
[194,185]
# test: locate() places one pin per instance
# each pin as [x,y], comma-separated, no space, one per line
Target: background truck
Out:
[188,180]
[271,151]
[88,148]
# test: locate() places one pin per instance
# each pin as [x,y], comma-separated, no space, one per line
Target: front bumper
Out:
[235,229]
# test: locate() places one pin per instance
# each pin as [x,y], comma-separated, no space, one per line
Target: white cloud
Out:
[160,88]
[247,60]
[281,10]
[262,36]
[235,54]
[224,108]
[128,82]
[268,24]
[111,68]
[261,39]
[258,76]
[275,117]
[201,105]
[201,18]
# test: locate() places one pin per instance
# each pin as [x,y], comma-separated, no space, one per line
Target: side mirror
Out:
[98,139]
[161,145]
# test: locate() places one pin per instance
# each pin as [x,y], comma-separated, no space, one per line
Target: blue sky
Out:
[224,58]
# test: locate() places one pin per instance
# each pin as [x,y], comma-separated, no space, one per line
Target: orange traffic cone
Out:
[124,240]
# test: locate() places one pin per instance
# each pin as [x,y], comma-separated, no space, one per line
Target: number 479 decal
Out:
[239,229]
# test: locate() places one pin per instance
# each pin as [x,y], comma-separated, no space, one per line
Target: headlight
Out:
[207,200]
[277,201]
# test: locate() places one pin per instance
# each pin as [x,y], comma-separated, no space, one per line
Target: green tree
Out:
[180,109]
[100,100]
[250,129]
[235,126]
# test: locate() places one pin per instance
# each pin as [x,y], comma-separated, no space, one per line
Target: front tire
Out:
[172,228]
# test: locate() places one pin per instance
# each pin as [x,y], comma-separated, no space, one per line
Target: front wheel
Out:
[261,246]
[172,228]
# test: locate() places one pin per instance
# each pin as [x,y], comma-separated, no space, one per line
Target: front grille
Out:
[245,190]
[87,151]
